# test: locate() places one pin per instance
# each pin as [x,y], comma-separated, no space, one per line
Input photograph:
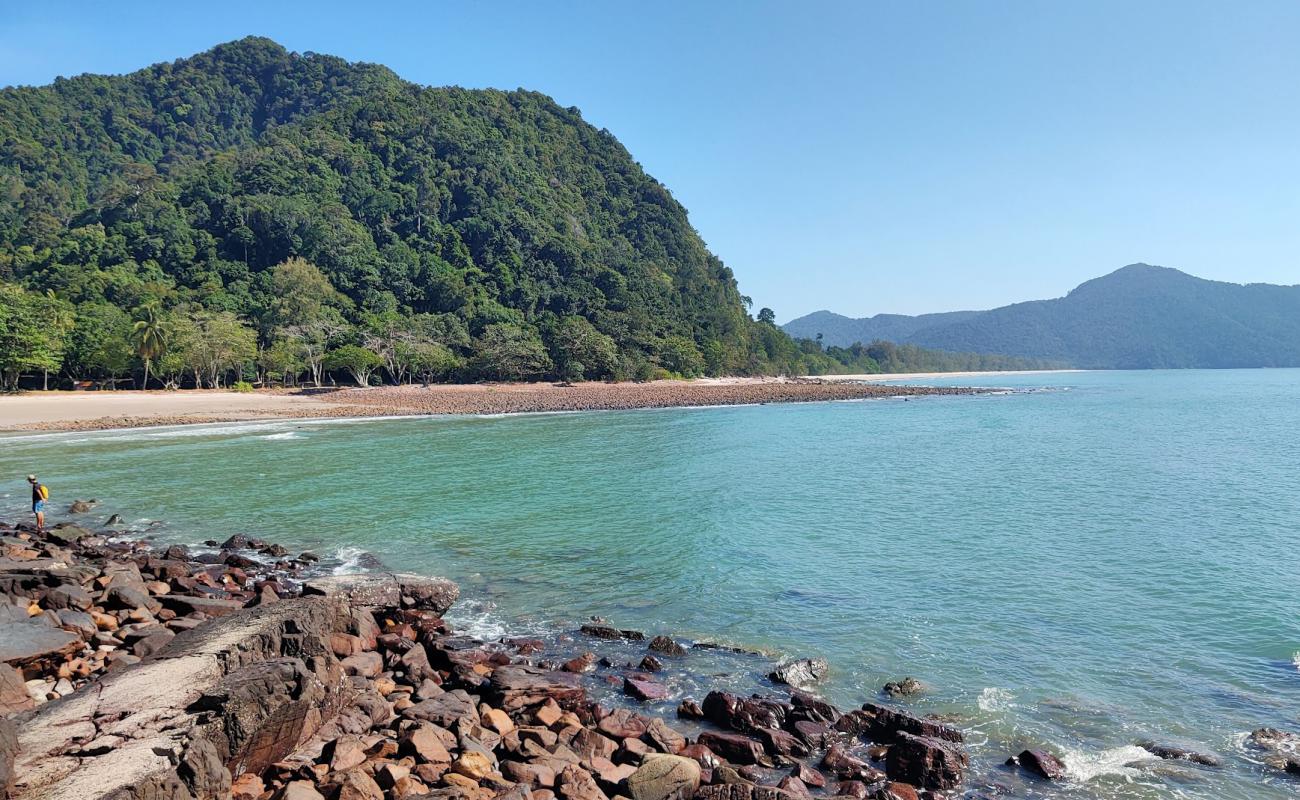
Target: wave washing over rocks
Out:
[243,672]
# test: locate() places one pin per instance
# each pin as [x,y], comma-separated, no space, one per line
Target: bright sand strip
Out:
[52,408]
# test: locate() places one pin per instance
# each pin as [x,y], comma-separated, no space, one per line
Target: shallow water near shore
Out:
[1079,568]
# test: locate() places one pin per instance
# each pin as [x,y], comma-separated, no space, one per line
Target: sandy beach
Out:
[128,409]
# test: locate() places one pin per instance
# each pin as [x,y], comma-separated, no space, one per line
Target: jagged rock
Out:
[734,747]
[883,725]
[803,672]
[575,783]
[663,736]
[666,645]
[518,686]
[664,777]
[926,761]
[689,709]
[1042,764]
[747,715]
[355,784]
[904,688]
[81,506]
[808,776]
[897,791]
[839,763]
[650,664]
[794,786]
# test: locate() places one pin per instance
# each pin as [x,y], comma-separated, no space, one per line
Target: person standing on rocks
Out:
[39,495]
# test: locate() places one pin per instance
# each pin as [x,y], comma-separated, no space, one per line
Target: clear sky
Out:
[858,156]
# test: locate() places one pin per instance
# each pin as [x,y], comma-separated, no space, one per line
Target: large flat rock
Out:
[26,642]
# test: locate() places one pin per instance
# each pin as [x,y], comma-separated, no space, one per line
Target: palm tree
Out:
[150,336]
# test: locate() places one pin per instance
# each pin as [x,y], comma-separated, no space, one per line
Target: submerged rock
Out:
[904,688]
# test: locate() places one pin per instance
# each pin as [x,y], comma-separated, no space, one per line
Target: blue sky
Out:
[858,156]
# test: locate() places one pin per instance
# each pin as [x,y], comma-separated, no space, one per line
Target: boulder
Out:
[664,777]
[30,643]
[734,747]
[801,673]
[663,736]
[575,783]
[1042,763]
[883,724]
[66,535]
[518,686]
[446,709]
[645,689]
[808,776]
[747,715]
[904,688]
[926,761]
[667,646]
[844,766]
[423,741]
[623,724]
[299,790]
[387,590]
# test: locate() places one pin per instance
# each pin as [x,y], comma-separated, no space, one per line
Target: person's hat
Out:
[31,477]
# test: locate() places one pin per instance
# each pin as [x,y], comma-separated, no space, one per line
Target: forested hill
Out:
[1139,317]
[287,205]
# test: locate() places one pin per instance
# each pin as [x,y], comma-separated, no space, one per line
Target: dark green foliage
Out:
[887,357]
[195,183]
[1140,317]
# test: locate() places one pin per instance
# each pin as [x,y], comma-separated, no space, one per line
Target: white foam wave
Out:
[1295,660]
[993,700]
[1083,766]
[284,435]
[349,559]
[479,620]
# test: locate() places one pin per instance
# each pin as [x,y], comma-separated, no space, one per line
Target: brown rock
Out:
[366,664]
[518,686]
[623,724]
[794,786]
[742,791]
[355,784]
[734,747]
[583,663]
[13,692]
[644,689]
[575,783]
[1042,764]
[808,776]
[664,777]
[299,790]
[665,645]
[663,737]
[897,791]
[248,786]
[345,753]
[839,763]
[926,761]
[746,715]
[473,764]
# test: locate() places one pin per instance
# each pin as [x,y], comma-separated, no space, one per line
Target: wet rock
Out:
[113,521]
[808,776]
[1170,752]
[782,743]
[846,767]
[663,736]
[856,789]
[601,631]
[883,724]
[81,506]
[794,786]
[926,761]
[803,672]
[907,687]
[66,535]
[1042,764]
[743,714]
[689,709]
[666,645]
[734,747]
[580,664]
[644,689]
[237,542]
[897,791]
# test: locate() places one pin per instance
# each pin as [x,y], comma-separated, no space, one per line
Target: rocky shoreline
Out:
[133,672]
[516,398]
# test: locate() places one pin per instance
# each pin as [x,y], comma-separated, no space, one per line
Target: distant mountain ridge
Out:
[1138,317]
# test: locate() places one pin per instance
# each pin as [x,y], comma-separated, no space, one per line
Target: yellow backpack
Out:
[45,492]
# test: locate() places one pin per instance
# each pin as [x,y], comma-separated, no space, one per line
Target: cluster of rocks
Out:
[75,604]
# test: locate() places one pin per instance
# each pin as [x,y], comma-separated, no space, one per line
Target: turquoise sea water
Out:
[1096,559]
